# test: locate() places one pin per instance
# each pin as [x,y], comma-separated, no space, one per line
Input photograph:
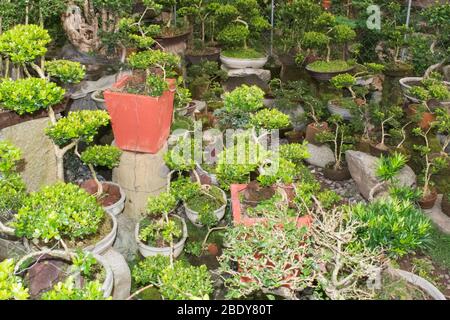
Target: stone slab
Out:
[441,220]
[122,274]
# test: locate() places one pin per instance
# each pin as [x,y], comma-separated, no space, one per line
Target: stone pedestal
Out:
[39,166]
[249,76]
[140,175]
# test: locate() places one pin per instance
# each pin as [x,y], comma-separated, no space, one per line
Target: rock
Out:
[320,156]
[363,168]
[446,71]
[122,274]
[262,74]
[44,274]
[39,167]
[103,83]
[441,220]
[140,175]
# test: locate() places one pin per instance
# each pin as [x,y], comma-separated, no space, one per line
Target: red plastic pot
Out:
[240,218]
[140,123]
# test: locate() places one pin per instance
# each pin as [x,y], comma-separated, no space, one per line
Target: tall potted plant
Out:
[150,94]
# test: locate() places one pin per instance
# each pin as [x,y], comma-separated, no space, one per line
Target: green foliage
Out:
[9,156]
[331,66]
[234,35]
[161,204]
[59,211]
[270,119]
[344,80]
[245,98]
[395,225]
[285,173]
[154,59]
[148,270]
[389,167]
[160,229]
[205,203]
[29,95]
[102,156]
[295,152]
[242,53]
[317,40]
[194,248]
[182,157]
[24,43]
[11,287]
[329,198]
[84,262]
[184,189]
[183,97]
[65,70]
[12,192]
[343,33]
[67,290]
[156,85]
[79,125]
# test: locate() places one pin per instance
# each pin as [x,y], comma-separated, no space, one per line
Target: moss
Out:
[203,200]
[243,54]
[331,66]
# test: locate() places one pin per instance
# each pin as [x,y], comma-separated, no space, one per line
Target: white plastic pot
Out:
[193,216]
[236,63]
[106,243]
[118,207]
[148,251]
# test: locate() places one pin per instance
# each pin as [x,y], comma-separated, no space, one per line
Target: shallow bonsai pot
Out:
[240,218]
[199,58]
[193,216]
[312,130]
[445,205]
[430,201]
[337,175]
[408,82]
[98,101]
[206,177]
[117,208]
[419,282]
[148,251]
[326,76]
[173,40]
[236,63]
[108,283]
[335,108]
[106,243]
[195,105]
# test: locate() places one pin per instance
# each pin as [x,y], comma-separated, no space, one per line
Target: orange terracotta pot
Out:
[427,117]
[240,218]
[140,123]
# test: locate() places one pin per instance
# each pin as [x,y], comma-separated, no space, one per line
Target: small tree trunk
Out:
[99,184]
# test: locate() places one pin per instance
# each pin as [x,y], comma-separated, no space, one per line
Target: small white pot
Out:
[193,216]
[236,63]
[116,208]
[148,251]
[106,243]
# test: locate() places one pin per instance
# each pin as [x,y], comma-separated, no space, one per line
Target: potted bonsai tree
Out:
[159,233]
[64,214]
[340,139]
[315,111]
[109,194]
[241,21]
[331,32]
[384,118]
[150,95]
[202,15]
[432,165]
[270,119]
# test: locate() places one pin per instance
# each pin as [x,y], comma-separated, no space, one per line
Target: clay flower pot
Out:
[427,117]
[429,201]
[140,123]
[336,174]
[313,129]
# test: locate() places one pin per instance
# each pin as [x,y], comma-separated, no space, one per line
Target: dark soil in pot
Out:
[104,229]
[336,174]
[255,193]
[429,201]
[446,204]
[111,193]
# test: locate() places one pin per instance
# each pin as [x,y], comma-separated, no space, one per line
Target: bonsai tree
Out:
[270,119]
[431,88]
[101,156]
[12,187]
[331,32]
[432,165]
[177,281]
[339,138]
[383,117]
[68,132]
[240,21]
[204,81]
[284,173]
[11,285]
[201,14]
[78,215]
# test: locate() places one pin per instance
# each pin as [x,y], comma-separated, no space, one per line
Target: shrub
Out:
[285,174]
[294,152]
[9,156]
[182,156]
[65,70]
[234,35]
[270,119]
[395,225]
[184,189]
[244,98]
[156,85]
[79,125]
[67,290]
[58,211]
[163,203]
[29,95]
[102,156]
[24,43]
[154,58]
[148,270]
[11,287]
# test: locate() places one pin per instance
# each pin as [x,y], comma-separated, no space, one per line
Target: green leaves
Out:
[80,125]
[234,35]
[270,119]
[92,290]
[9,155]
[163,203]
[24,43]
[58,211]
[156,85]
[29,95]
[152,59]
[102,156]
[389,167]
[245,98]
[65,70]
[11,287]
[344,80]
